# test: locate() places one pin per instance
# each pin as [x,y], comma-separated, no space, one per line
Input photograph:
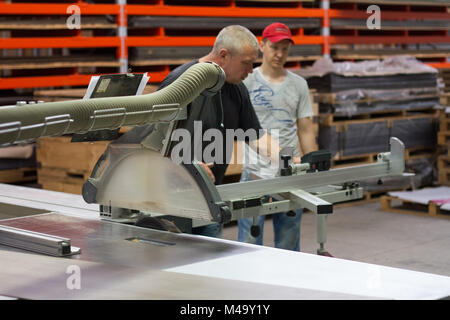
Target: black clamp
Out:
[318,160]
[286,155]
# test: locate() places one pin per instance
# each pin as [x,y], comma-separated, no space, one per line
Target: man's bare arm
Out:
[306,135]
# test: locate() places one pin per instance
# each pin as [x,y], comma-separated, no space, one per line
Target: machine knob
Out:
[286,169]
[291,213]
[255,231]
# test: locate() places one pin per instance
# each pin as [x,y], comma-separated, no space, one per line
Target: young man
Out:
[282,104]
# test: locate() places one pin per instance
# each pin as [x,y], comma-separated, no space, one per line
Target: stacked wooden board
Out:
[18,164]
[65,166]
[429,202]
[443,163]
[360,110]
[444,77]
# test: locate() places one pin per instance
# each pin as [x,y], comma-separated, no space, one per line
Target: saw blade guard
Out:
[134,177]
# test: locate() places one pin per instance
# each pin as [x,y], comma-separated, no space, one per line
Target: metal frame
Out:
[387,165]
[37,242]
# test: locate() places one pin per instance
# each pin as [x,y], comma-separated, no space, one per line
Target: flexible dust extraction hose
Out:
[28,122]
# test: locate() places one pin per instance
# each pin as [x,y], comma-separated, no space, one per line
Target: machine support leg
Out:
[254,229]
[322,234]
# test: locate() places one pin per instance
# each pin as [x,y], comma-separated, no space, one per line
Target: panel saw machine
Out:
[132,181]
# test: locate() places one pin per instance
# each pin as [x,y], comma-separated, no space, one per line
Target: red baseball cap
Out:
[276,32]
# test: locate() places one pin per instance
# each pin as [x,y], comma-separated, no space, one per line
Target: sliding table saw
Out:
[55,237]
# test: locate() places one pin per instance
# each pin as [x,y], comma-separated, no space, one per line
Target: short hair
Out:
[234,38]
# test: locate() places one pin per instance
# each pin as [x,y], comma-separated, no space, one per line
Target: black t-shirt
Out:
[231,108]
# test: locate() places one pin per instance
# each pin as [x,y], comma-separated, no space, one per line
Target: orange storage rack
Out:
[403,25]
[30,39]
[122,38]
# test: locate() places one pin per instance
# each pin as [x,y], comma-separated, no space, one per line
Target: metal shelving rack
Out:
[399,12]
[72,41]
[123,40]
[230,9]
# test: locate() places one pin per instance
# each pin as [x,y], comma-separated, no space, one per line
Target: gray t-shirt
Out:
[278,106]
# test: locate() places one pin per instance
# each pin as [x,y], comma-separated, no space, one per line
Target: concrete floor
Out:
[366,233]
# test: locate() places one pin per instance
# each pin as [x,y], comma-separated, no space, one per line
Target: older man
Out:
[235,50]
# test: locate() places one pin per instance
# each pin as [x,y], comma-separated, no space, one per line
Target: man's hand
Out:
[297,160]
[206,167]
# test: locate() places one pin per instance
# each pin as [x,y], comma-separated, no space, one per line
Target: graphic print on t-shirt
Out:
[261,98]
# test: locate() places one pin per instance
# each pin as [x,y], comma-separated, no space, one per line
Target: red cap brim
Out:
[278,38]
